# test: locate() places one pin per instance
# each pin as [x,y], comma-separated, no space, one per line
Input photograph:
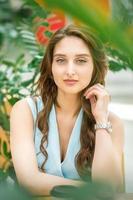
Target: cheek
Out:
[87,74]
[56,75]
[54,72]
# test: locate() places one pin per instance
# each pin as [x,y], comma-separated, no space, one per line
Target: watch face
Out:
[106,126]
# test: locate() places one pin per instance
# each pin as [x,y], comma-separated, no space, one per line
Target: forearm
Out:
[106,163]
[41,183]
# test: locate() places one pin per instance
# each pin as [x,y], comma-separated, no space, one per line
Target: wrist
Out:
[103,125]
[102,119]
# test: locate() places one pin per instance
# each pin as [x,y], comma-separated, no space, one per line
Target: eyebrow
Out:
[77,55]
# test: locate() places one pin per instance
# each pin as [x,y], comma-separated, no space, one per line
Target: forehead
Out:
[71,45]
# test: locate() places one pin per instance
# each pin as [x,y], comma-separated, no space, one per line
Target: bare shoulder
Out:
[21,108]
[117,134]
[21,116]
[20,105]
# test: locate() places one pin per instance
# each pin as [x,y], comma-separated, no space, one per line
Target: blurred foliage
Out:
[5,174]
[17,77]
[88,191]
[9,19]
[122,11]
[13,192]
[5,154]
[17,27]
[14,84]
[114,34]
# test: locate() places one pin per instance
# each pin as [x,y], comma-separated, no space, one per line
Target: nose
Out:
[70,71]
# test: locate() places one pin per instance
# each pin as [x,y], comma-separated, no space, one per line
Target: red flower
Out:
[55,22]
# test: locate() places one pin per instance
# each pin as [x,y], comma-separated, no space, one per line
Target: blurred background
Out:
[25,28]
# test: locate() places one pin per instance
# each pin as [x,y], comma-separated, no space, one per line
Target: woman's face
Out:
[72,65]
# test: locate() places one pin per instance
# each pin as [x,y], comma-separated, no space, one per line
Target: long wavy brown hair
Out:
[48,92]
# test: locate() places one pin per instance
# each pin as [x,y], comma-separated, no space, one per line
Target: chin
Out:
[72,91]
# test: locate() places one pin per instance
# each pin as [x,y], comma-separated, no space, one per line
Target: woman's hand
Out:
[99,99]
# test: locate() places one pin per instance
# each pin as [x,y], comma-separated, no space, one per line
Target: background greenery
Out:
[20,57]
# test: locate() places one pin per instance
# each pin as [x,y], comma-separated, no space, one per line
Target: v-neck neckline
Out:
[70,138]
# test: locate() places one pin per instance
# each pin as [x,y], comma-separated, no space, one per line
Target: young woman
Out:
[67,134]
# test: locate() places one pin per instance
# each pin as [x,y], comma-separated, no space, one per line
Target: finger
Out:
[98,93]
[90,89]
[101,88]
[92,100]
[98,85]
[94,92]
[96,88]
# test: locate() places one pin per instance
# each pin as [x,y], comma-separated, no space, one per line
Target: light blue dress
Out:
[54,165]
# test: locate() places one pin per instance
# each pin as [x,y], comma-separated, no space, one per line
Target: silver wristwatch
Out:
[107,126]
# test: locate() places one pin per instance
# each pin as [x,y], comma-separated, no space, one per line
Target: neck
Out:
[70,104]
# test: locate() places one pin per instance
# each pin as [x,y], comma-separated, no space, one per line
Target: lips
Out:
[73,80]
[70,81]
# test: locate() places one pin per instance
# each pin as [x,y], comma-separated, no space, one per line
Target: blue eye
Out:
[81,61]
[60,60]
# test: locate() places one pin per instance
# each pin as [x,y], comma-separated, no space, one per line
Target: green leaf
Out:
[116,66]
[4,121]
[48,33]
[6,153]
[8,63]
[13,100]
[26,83]
[20,59]
[13,90]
